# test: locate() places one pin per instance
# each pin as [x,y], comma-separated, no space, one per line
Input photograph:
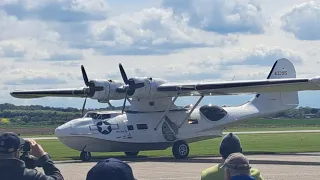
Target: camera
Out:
[29,160]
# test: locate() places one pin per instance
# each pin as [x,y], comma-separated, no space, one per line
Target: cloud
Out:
[150,31]
[303,21]
[146,32]
[233,16]
[57,10]
[13,28]
[36,77]
[261,55]
[11,49]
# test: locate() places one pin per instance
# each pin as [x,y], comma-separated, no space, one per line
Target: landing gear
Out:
[131,154]
[180,149]
[85,156]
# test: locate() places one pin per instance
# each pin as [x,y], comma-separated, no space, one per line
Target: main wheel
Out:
[85,156]
[180,149]
[131,154]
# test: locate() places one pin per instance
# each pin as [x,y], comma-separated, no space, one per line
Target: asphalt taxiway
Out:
[272,167]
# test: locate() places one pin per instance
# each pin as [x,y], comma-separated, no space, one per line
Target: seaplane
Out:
[153,121]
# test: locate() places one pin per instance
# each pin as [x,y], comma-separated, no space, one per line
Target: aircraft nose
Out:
[62,130]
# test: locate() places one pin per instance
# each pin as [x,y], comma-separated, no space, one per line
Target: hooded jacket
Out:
[216,172]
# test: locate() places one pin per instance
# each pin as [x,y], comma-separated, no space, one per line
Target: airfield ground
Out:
[262,149]
[252,143]
[279,167]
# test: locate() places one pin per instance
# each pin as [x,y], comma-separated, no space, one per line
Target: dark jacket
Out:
[244,177]
[15,169]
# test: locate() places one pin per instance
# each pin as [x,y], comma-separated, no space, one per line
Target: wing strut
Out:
[191,110]
[167,110]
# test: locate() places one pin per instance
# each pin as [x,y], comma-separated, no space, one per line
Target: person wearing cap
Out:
[111,169]
[12,168]
[237,167]
[230,143]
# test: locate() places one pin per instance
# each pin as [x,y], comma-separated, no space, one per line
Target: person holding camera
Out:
[13,167]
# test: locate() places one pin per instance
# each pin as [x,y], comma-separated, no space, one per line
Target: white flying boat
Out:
[154,122]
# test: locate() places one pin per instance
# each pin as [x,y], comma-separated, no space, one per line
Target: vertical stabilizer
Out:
[278,101]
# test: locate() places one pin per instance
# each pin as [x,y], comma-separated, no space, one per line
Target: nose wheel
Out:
[180,149]
[85,156]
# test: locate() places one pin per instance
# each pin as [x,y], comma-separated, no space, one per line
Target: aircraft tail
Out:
[278,101]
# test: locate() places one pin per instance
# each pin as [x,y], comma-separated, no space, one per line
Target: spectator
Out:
[11,167]
[111,169]
[237,167]
[229,144]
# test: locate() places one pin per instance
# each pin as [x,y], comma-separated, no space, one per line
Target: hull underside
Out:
[90,144]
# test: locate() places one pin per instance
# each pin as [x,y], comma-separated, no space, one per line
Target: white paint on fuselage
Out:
[83,132]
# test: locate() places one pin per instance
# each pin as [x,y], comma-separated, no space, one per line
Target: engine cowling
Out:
[149,90]
[109,90]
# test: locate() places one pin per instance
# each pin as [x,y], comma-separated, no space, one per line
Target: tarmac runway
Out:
[272,167]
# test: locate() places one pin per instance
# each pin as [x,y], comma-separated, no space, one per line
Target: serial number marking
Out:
[281,73]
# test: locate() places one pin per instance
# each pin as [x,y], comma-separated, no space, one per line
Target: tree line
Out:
[46,115]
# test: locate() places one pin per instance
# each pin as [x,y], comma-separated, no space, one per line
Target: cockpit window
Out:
[97,116]
[105,116]
[91,115]
[213,113]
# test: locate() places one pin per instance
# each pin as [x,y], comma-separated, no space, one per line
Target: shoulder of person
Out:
[31,174]
[210,172]
[256,174]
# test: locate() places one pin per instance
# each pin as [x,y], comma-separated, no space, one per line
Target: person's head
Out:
[230,144]
[111,169]
[236,165]
[10,145]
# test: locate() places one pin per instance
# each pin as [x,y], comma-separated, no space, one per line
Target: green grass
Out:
[284,121]
[271,129]
[272,143]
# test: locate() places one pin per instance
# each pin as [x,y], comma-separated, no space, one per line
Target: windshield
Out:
[94,115]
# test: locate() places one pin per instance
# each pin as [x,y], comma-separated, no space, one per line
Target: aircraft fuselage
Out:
[138,131]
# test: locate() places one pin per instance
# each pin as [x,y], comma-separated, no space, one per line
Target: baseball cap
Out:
[111,169]
[230,144]
[10,142]
[237,161]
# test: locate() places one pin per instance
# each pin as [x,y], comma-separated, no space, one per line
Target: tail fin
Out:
[278,101]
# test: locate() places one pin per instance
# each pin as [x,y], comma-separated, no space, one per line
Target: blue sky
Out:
[43,43]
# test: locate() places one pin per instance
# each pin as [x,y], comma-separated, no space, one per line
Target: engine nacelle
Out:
[109,90]
[149,90]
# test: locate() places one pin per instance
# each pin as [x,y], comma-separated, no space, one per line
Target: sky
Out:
[44,43]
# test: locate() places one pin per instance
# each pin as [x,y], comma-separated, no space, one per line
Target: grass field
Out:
[252,143]
[251,125]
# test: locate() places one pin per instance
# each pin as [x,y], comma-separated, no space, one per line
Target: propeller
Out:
[84,104]
[130,85]
[91,87]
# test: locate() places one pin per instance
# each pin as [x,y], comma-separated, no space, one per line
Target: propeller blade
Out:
[84,104]
[124,103]
[85,77]
[123,74]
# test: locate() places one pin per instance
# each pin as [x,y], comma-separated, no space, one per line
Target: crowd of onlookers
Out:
[234,165]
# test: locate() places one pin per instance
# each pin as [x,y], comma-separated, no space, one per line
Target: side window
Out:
[142,126]
[130,127]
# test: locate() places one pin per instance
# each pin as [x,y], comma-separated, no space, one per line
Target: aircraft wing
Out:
[26,94]
[242,87]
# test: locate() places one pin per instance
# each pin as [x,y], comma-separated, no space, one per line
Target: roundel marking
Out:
[104,127]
